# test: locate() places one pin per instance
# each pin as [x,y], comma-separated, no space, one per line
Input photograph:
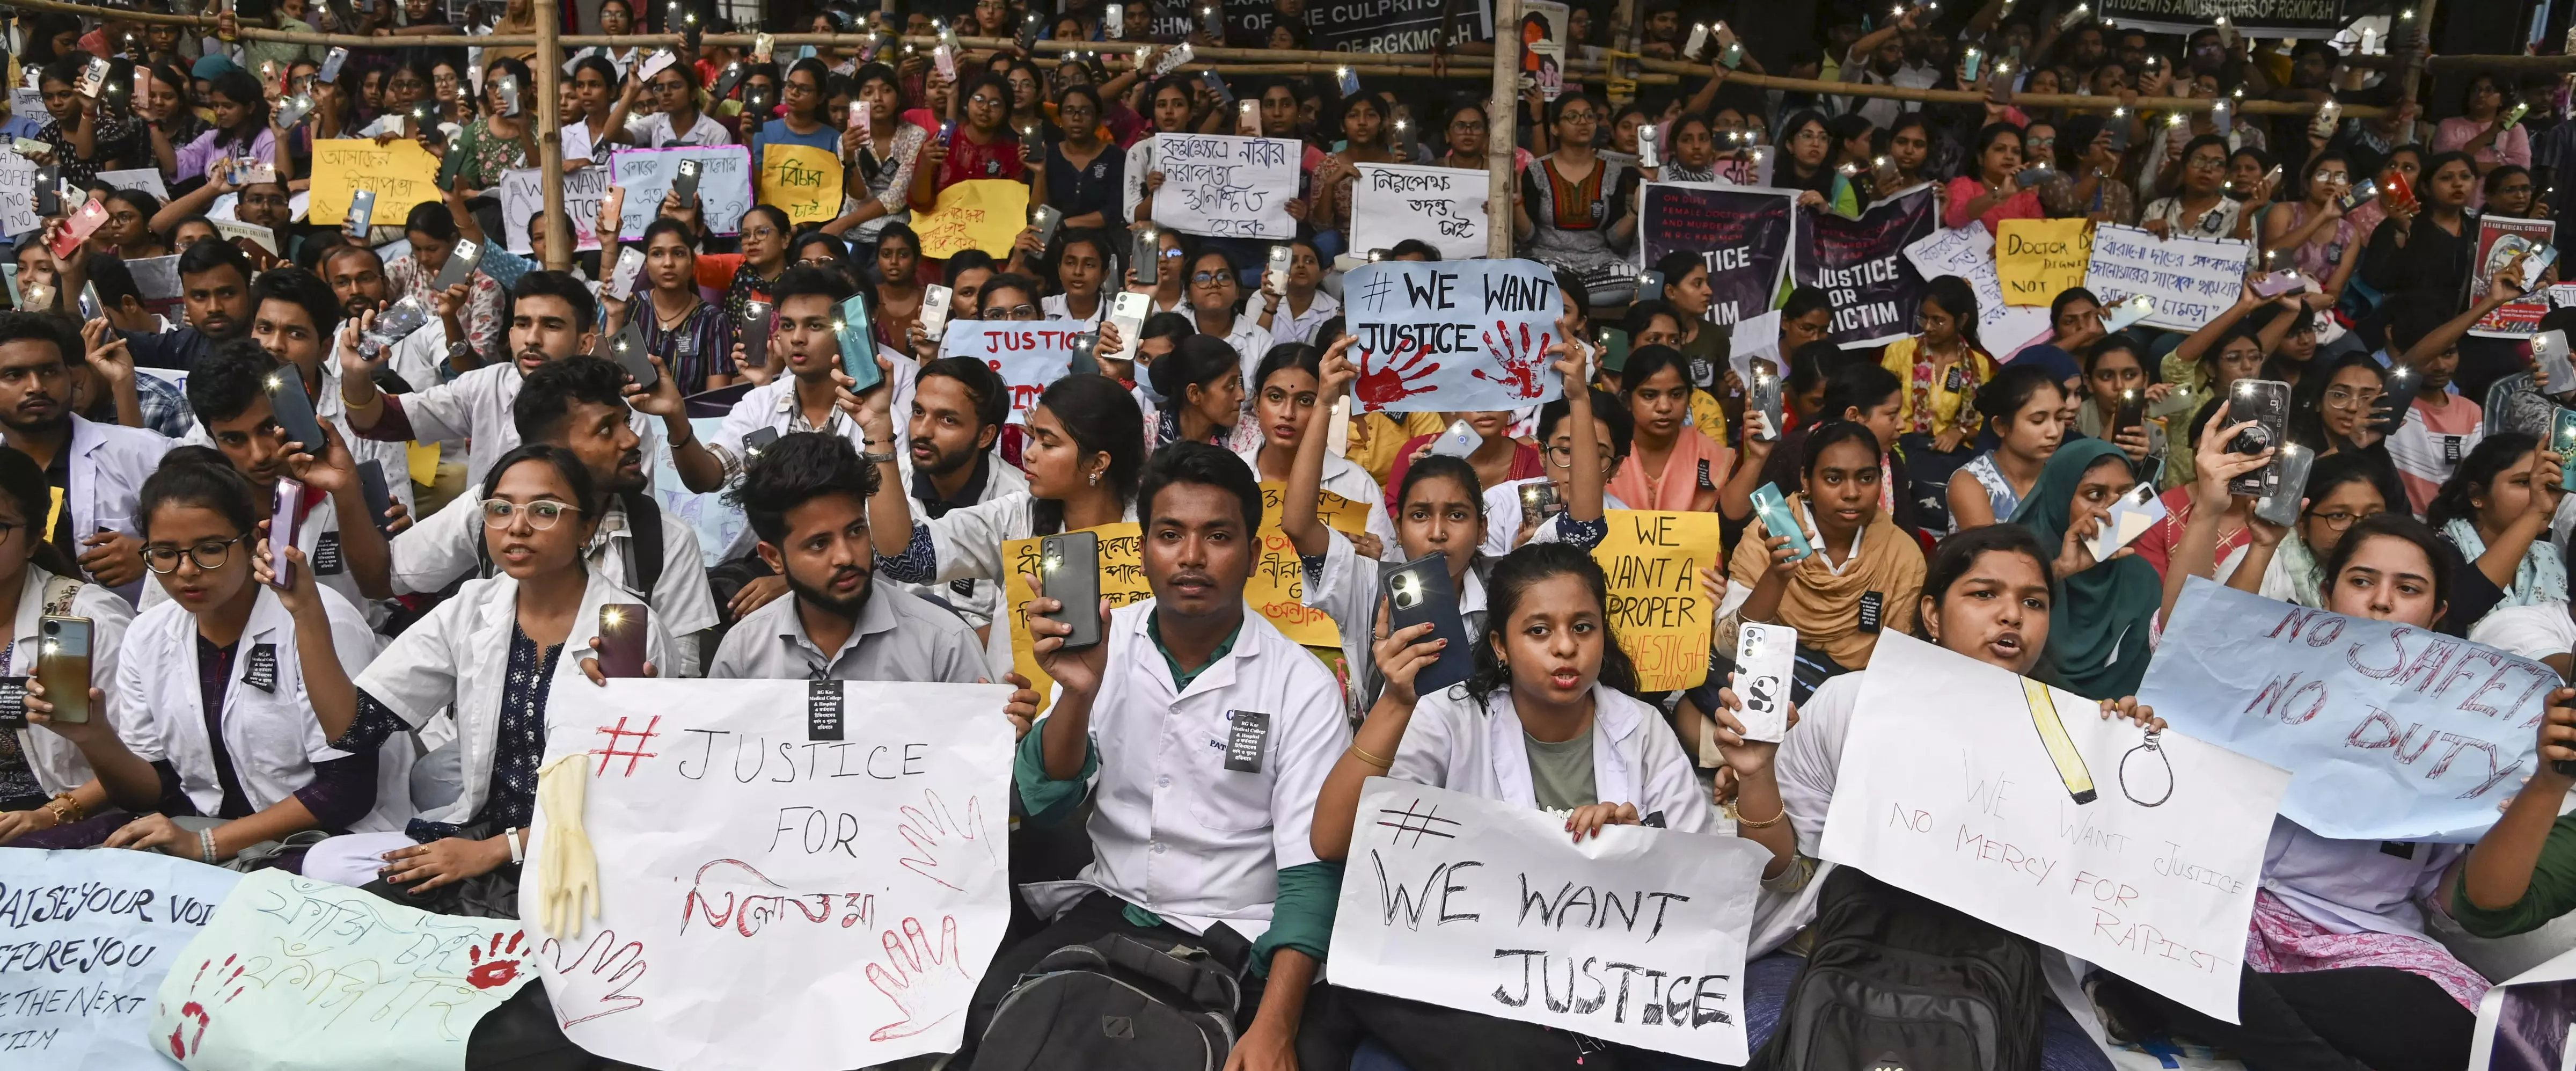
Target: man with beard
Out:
[214,284]
[98,468]
[340,541]
[580,404]
[807,499]
[357,277]
[1880,59]
[293,319]
[261,204]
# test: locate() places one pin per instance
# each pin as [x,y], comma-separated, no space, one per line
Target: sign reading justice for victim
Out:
[1454,335]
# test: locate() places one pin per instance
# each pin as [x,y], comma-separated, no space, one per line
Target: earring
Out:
[1095,478]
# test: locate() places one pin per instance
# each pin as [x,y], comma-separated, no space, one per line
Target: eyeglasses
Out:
[1563,457]
[2207,163]
[2340,519]
[2348,398]
[2330,176]
[209,555]
[1812,134]
[1013,312]
[1212,278]
[542,513]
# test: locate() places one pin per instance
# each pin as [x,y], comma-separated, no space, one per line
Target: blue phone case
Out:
[858,351]
[1773,508]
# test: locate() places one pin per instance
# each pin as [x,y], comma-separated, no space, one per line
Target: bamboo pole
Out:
[2417,51]
[1501,105]
[550,161]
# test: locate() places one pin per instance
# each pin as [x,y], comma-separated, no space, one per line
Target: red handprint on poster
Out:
[1520,362]
[493,969]
[182,1040]
[1385,382]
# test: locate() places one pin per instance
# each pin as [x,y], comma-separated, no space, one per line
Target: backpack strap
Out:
[644,549]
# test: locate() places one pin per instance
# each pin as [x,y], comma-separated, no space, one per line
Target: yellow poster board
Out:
[1338,513]
[1122,581]
[403,174]
[2038,259]
[803,181]
[986,214]
[1657,609]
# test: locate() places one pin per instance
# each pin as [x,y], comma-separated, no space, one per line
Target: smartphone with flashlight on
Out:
[684,185]
[1418,593]
[622,626]
[294,412]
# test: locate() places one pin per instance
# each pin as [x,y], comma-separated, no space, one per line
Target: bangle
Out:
[517,853]
[206,844]
[67,808]
[1364,756]
[1767,823]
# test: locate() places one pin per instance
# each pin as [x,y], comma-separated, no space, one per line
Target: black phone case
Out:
[635,359]
[2133,412]
[686,186]
[2399,398]
[621,646]
[1075,583]
[760,439]
[1149,255]
[379,494]
[2267,403]
[294,412]
[1428,596]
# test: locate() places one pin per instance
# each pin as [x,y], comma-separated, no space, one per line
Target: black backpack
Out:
[1116,1004]
[1897,981]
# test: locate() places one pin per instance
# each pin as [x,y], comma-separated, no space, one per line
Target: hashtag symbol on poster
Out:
[1520,362]
[1413,819]
[631,752]
[1375,291]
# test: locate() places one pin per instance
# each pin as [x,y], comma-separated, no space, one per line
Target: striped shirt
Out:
[699,347]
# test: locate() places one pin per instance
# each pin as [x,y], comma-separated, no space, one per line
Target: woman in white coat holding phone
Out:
[49,798]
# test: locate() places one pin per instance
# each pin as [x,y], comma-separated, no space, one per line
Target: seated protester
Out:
[99,468]
[2442,427]
[214,284]
[49,797]
[1081,275]
[1201,386]
[1857,390]
[803,344]
[2211,432]
[294,317]
[965,273]
[749,275]
[1499,458]
[213,729]
[1550,720]
[1241,855]
[105,387]
[959,407]
[2114,367]
[2210,361]
[1986,594]
[261,204]
[357,277]
[1862,576]
[1156,338]
[432,231]
[2023,406]
[807,499]
[580,405]
[675,119]
[2495,510]
[692,338]
[882,156]
[84,137]
[126,232]
[2104,610]
[550,314]
[2334,411]
[2289,563]
[1657,323]
[894,286]
[1507,524]
[1702,345]
[1086,446]
[1288,404]
[2337,927]
[347,550]
[1671,465]
[2517,879]
[1216,300]
[491,654]
[2519,402]
[1293,312]
[1942,367]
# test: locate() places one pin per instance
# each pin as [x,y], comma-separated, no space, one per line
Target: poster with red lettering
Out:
[1027,354]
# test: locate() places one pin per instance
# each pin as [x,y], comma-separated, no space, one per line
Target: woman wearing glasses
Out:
[2331,412]
[49,798]
[2195,204]
[2289,563]
[1573,208]
[213,730]
[2322,241]
[1216,304]
[493,654]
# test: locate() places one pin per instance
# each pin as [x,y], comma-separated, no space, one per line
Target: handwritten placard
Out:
[2191,279]
[1027,354]
[1440,205]
[523,202]
[1635,937]
[1741,234]
[89,937]
[1969,253]
[2396,733]
[1221,184]
[2038,259]
[1454,335]
[145,179]
[860,876]
[1657,610]
[724,186]
[17,195]
[986,214]
[803,180]
[403,174]
[294,974]
[1122,581]
[1861,266]
[1337,513]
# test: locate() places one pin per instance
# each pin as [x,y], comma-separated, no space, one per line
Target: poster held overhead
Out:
[1454,335]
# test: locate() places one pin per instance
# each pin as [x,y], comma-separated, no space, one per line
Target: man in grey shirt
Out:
[806,496]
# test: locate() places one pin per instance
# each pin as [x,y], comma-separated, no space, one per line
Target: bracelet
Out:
[517,853]
[1767,823]
[1372,760]
[67,808]
[206,843]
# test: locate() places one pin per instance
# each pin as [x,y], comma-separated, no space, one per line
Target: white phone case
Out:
[1765,656]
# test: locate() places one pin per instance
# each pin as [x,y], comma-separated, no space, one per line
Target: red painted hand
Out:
[1385,382]
[1520,362]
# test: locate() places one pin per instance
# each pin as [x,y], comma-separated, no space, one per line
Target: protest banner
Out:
[2528,1021]
[1742,232]
[294,974]
[2502,243]
[90,936]
[2191,279]
[2139,854]
[1459,901]
[1396,25]
[2396,733]
[29,102]
[1224,185]
[1278,585]
[146,179]
[235,231]
[986,214]
[18,195]
[1860,265]
[1122,581]
[1968,252]
[523,200]
[724,532]
[1027,354]
[1471,335]
[1440,205]
[856,866]
[2268,18]
[403,174]
[724,186]
[801,180]
[1656,607]
[2038,259]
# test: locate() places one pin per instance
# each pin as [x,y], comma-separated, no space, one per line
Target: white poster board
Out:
[1027,354]
[17,195]
[1440,205]
[2031,811]
[90,936]
[146,179]
[724,185]
[1225,185]
[1969,253]
[523,198]
[2192,279]
[1454,335]
[1635,937]
[837,848]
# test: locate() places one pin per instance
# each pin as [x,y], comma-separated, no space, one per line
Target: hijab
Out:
[2098,625]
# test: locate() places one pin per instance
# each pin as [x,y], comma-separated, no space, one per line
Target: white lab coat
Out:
[57,762]
[1457,743]
[476,406]
[968,545]
[321,523]
[109,463]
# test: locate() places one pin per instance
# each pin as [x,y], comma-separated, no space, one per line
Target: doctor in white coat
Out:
[100,468]
[47,789]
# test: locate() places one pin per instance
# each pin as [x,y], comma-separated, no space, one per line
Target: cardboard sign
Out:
[18,195]
[1122,581]
[1636,937]
[1338,513]
[2038,259]
[91,935]
[1277,587]
[1028,354]
[1860,264]
[1221,184]
[2395,732]
[1969,253]
[235,230]
[863,880]
[801,179]
[295,974]
[2191,279]
[724,186]
[523,200]
[146,179]
[2502,243]
[1454,335]
[403,174]
[1741,232]
[1440,205]
[986,214]
[2030,810]
[1657,610]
